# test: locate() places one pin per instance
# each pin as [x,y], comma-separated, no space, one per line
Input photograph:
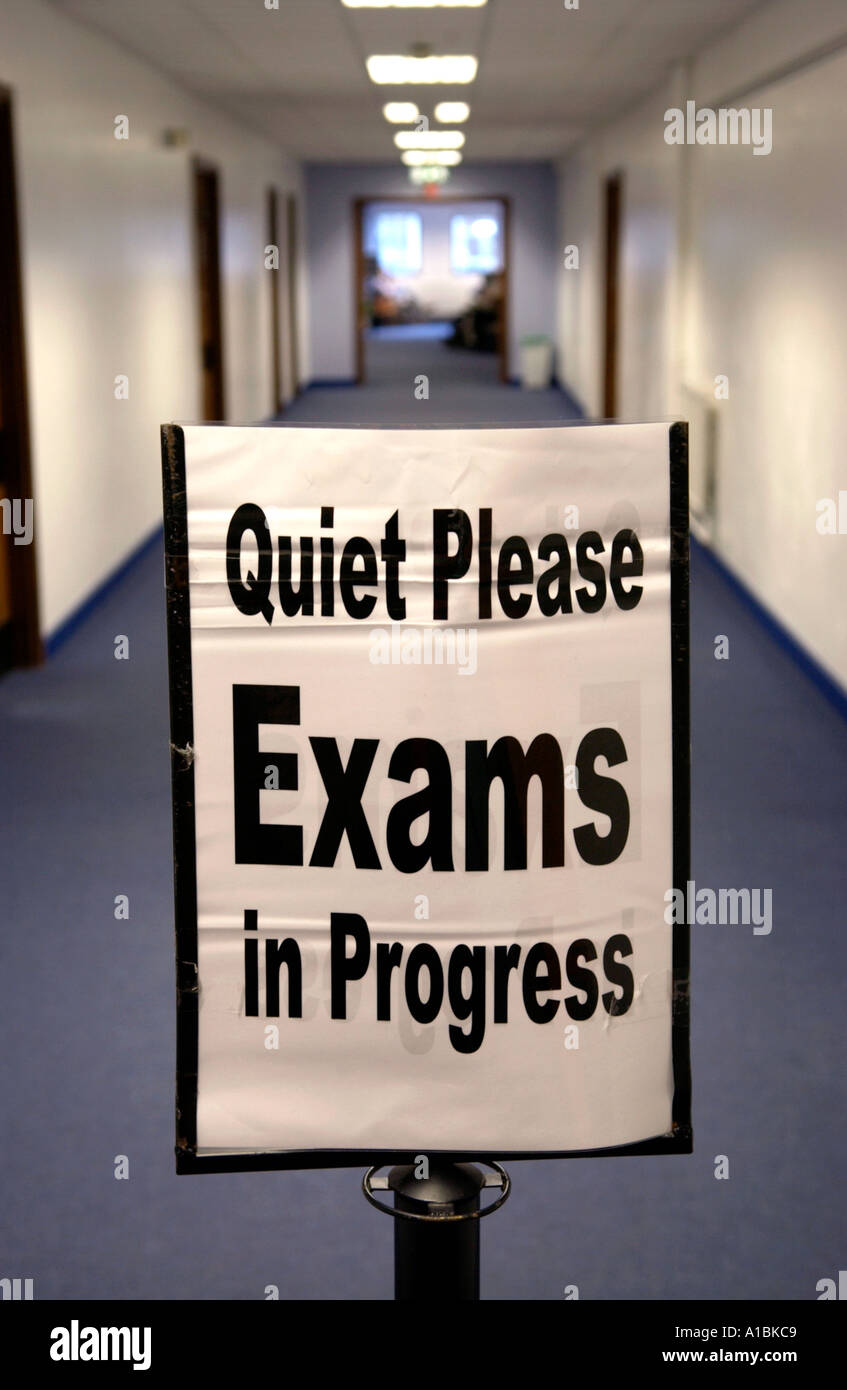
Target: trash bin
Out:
[536,362]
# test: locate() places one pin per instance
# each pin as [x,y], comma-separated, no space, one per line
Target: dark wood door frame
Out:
[359,265]
[273,278]
[206,188]
[292,257]
[612,218]
[22,640]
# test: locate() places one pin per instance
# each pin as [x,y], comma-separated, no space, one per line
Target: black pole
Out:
[436,1227]
[437,1259]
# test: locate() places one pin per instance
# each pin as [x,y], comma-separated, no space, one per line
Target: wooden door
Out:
[292,254]
[274,287]
[207,237]
[20,643]
[613,199]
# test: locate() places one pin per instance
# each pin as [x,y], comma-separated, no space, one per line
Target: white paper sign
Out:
[432,763]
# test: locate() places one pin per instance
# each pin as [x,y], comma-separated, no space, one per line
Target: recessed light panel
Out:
[429,139]
[452,112]
[414,4]
[429,173]
[431,157]
[400,112]
[395,68]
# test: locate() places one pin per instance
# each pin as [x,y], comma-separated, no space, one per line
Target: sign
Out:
[430,766]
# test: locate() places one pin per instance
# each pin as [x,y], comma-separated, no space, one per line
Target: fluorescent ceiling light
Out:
[414,4]
[400,112]
[452,111]
[429,173]
[429,139]
[431,157]
[394,68]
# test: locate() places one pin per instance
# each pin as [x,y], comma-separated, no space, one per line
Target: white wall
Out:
[440,291]
[769,289]
[330,192]
[648,263]
[734,264]
[108,272]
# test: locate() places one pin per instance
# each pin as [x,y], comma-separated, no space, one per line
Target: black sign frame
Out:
[679,1140]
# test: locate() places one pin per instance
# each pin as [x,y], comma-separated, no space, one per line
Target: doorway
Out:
[292,259]
[277,389]
[207,239]
[433,273]
[20,643]
[282,233]
[612,212]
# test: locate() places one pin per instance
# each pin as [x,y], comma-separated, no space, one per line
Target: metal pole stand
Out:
[436,1231]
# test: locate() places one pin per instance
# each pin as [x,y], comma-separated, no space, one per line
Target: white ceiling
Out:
[546,73]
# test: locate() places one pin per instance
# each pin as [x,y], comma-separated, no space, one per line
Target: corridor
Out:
[327,213]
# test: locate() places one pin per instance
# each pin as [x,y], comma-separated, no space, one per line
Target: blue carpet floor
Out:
[463,389]
[86,1065]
